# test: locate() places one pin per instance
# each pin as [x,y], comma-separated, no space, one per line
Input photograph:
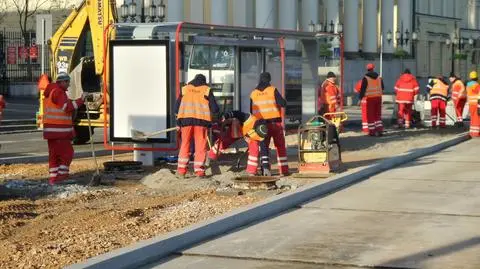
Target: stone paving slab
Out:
[433,170]
[400,195]
[203,262]
[356,238]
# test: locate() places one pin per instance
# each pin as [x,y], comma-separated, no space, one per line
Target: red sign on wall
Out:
[11,55]
[34,53]
[22,52]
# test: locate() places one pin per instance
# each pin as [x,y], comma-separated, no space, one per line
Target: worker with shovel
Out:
[237,125]
[194,108]
[58,127]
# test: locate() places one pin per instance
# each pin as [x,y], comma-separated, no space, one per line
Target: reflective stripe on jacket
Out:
[194,103]
[374,87]
[406,88]
[473,92]
[458,90]
[439,90]
[264,105]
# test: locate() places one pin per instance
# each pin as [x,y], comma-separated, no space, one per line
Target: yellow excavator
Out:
[77,47]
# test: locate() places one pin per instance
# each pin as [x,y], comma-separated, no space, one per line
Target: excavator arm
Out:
[81,35]
[77,47]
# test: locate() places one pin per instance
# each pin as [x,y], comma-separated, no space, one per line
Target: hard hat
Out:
[261,130]
[370,66]
[62,76]
[473,75]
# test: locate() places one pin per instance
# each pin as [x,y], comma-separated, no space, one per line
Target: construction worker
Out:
[194,108]
[363,106]
[372,89]
[406,88]
[459,97]
[266,103]
[237,125]
[438,89]
[329,95]
[473,96]
[58,127]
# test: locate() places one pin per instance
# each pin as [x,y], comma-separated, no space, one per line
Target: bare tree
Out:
[3,10]
[25,10]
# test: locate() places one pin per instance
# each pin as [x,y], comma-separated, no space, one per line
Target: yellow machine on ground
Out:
[77,48]
[319,145]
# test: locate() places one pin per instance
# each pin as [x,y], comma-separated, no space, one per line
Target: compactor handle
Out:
[342,115]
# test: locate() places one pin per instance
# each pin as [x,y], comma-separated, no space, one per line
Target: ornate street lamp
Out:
[332,27]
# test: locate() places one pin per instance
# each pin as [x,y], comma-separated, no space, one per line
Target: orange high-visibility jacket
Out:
[439,90]
[194,103]
[264,105]
[374,87]
[473,92]
[458,90]
[248,129]
[330,93]
[406,88]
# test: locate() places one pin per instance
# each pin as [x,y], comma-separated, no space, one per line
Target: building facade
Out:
[431,37]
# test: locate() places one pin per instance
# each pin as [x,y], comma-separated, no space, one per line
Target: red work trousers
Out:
[404,115]
[60,156]
[275,131]
[459,104]
[374,115]
[199,133]
[363,104]
[438,107]
[474,121]
[224,141]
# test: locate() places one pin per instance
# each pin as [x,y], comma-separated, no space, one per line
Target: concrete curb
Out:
[155,249]
[44,158]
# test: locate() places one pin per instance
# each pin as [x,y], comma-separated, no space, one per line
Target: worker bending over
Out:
[266,103]
[253,130]
[406,88]
[329,95]
[459,97]
[372,89]
[58,127]
[473,95]
[194,108]
[438,88]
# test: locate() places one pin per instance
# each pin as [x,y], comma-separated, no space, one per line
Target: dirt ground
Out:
[50,227]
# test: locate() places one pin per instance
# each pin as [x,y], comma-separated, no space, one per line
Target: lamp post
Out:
[389,39]
[453,41]
[154,13]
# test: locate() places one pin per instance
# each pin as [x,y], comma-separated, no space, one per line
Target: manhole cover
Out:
[122,166]
[255,183]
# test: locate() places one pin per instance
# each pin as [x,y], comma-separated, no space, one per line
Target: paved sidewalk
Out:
[425,214]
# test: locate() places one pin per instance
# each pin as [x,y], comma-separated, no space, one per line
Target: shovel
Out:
[143,137]
[97,177]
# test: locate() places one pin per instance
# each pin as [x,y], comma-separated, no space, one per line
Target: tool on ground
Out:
[318,147]
[143,137]
[96,178]
[240,157]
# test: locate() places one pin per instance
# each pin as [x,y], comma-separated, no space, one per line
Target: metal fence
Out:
[20,59]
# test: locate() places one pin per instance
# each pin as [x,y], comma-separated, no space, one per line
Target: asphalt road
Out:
[32,144]
[20,108]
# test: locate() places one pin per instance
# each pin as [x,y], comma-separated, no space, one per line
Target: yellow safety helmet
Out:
[473,75]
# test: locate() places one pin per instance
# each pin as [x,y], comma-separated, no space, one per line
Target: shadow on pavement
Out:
[417,259]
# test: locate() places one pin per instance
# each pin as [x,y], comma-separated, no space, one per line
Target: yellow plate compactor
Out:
[319,145]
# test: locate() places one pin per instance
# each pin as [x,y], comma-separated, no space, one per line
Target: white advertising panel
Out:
[139,89]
